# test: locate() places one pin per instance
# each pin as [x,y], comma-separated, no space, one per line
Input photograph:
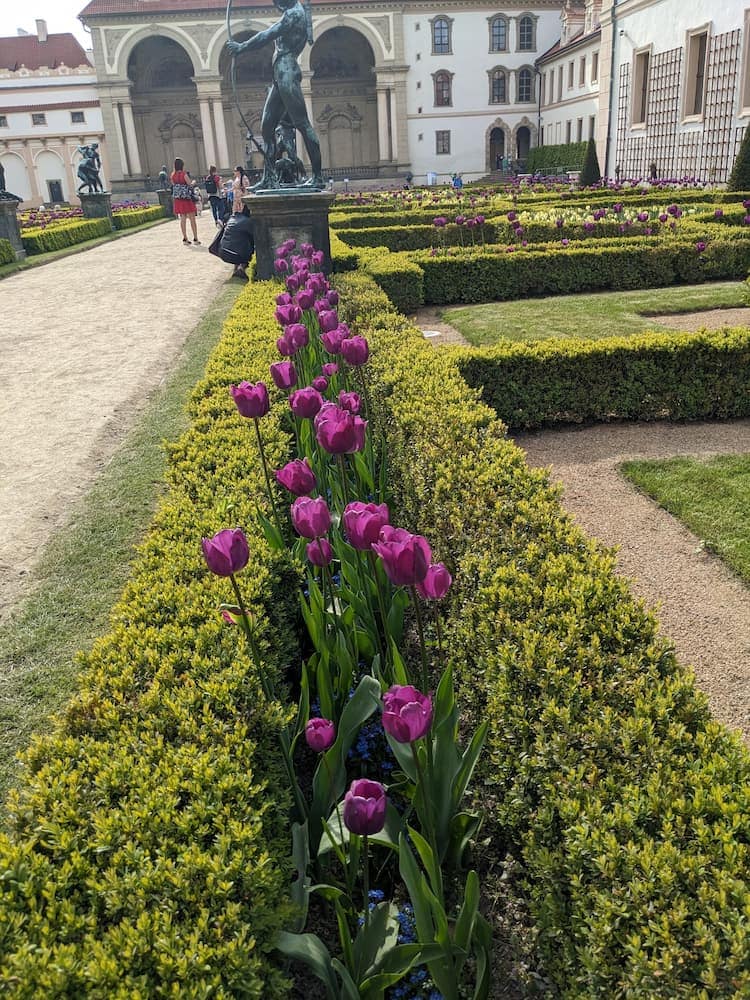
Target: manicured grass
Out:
[606,314]
[84,567]
[711,497]
[44,258]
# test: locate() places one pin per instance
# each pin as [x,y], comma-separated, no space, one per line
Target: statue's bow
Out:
[233,79]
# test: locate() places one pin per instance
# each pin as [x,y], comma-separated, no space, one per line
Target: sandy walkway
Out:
[701,605]
[83,341]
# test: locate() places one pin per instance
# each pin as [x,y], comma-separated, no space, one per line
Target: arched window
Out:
[441,36]
[526,34]
[498,87]
[498,34]
[442,89]
[525,85]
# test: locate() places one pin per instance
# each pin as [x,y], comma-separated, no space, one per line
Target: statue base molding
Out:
[165,200]
[9,227]
[97,205]
[278,215]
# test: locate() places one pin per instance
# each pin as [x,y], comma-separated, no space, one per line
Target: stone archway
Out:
[165,105]
[497,141]
[344,101]
[524,138]
[253,75]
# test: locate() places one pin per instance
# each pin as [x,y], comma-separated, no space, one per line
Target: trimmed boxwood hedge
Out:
[148,847]
[131,217]
[65,235]
[627,804]
[678,376]
[7,253]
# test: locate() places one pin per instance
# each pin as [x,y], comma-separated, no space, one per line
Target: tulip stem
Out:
[428,817]
[420,629]
[366,877]
[344,484]
[365,394]
[268,480]
[381,604]
[439,630]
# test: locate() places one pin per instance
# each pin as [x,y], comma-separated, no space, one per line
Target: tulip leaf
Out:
[364,474]
[469,762]
[400,675]
[482,952]
[463,932]
[345,939]
[272,534]
[395,620]
[336,832]
[365,645]
[427,857]
[375,939]
[309,949]
[300,891]
[404,757]
[349,989]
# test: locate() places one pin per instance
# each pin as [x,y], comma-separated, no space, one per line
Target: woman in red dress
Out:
[182,199]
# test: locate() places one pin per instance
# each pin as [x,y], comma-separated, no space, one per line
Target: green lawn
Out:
[711,497]
[84,567]
[606,314]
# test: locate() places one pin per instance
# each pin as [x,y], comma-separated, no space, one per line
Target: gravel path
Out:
[84,340]
[701,605]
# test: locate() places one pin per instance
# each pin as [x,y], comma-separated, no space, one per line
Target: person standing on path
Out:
[214,190]
[182,197]
[240,187]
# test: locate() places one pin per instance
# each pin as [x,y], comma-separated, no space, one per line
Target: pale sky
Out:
[60,15]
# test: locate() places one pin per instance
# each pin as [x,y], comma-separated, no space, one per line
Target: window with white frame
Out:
[641,63]
[526,40]
[442,81]
[696,52]
[498,86]
[525,85]
[499,34]
[441,36]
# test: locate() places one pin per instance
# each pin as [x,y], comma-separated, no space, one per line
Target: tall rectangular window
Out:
[559,83]
[582,72]
[640,87]
[443,142]
[579,130]
[441,36]
[571,66]
[695,72]
[567,131]
[592,125]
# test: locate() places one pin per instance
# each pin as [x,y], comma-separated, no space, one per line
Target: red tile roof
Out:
[73,105]
[150,7]
[28,51]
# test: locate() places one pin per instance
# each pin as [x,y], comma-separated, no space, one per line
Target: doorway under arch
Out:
[497,149]
[523,145]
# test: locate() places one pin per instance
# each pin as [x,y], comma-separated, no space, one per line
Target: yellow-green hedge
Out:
[65,235]
[626,803]
[7,253]
[677,376]
[148,849]
[130,217]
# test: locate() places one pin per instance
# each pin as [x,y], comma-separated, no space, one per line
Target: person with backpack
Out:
[214,190]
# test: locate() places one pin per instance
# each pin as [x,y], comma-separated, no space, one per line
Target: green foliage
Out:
[401,280]
[652,376]
[590,172]
[553,159]
[130,217]
[148,848]
[626,802]
[739,179]
[7,253]
[417,236]
[65,235]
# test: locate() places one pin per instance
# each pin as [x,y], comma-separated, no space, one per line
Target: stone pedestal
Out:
[165,200]
[97,206]
[9,228]
[282,215]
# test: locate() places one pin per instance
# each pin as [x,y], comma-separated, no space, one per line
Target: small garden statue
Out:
[289,168]
[6,195]
[285,101]
[163,178]
[89,167]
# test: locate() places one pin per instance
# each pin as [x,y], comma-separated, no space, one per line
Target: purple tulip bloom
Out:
[288,314]
[227,552]
[284,299]
[293,282]
[355,351]
[285,347]
[364,807]
[718,213]
[251,400]
[305,403]
[320,382]
[363,523]
[407,713]
[280,265]
[350,401]
[319,552]
[332,340]
[700,246]
[340,432]
[406,557]
[297,477]
[284,374]
[297,334]
[328,320]
[436,583]
[311,517]
[332,298]
[565,243]
[330,368]
[305,298]
[320,734]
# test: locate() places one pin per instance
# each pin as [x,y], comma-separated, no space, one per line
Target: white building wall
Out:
[579,102]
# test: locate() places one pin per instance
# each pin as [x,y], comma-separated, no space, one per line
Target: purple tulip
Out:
[642,216]
[663,217]
[700,246]
[251,400]
[718,213]
[565,243]
[406,557]
[436,583]
[311,517]
[480,220]
[293,282]
[512,216]
[306,249]
[355,351]
[317,258]
[349,401]
[340,432]
[285,347]
[332,340]
[280,265]
[363,522]
[332,298]
[319,552]
[559,223]
[407,713]
[320,382]
[330,368]
[288,314]
[284,299]
[320,734]
[460,219]
[746,220]
[297,334]
[617,207]
[305,298]
[305,403]
[440,222]
[297,477]
[328,319]
[284,374]
[364,807]
[227,552]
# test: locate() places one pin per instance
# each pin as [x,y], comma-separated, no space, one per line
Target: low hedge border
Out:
[65,235]
[131,217]
[148,848]
[627,804]
[653,376]
[7,253]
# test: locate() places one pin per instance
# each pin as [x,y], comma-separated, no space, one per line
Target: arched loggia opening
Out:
[253,75]
[345,110]
[165,106]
